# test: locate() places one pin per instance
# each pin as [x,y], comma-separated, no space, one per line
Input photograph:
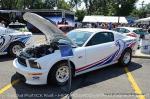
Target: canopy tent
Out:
[106,19]
[143,20]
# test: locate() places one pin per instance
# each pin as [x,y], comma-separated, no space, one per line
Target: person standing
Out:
[2,24]
[110,26]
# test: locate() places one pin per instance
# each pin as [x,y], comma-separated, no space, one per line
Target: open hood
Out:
[52,33]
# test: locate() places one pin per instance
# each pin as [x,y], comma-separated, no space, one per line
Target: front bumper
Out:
[32,76]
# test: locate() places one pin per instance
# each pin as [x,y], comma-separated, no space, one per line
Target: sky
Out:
[138,4]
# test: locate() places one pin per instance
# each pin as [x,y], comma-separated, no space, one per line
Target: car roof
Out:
[130,28]
[93,30]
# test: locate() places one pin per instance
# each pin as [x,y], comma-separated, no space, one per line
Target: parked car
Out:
[92,48]
[133,32]
[12,41]
[18,26]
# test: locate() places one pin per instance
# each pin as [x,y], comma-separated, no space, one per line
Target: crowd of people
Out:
[111,26]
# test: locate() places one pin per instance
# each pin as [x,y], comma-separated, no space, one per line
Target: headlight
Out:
[34,64]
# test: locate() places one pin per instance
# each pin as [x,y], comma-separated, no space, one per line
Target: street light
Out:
[118,14]
[56,5]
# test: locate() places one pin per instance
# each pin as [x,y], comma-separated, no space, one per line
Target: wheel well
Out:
[128,48]
[16,42]
[62,61]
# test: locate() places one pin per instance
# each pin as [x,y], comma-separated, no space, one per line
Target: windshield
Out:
[21,28]
[79,37]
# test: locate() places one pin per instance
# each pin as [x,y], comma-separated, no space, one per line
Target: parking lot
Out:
[114,82]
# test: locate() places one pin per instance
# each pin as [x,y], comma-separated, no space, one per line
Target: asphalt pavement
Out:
[113,82]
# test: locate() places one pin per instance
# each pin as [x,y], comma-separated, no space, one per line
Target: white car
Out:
[92,49]
[133,32]
[12,41]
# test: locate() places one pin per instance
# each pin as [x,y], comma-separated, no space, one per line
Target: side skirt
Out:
[95,68]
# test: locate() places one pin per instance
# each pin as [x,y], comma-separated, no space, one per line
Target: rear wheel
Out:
[59,74]
[125,58]
[14,48]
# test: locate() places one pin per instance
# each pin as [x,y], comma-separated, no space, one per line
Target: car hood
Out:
[52,33]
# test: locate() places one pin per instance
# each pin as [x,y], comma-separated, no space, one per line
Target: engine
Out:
[39,51]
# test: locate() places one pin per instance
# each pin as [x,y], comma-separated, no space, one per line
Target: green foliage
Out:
[142,12]
[21,4]
[109,7]
[80,14]
[147,8]
[137,13]
[75,3]
[93,7]
[9,4]
[49,4]
[63,5]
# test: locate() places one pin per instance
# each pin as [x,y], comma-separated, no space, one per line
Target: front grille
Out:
[22,61]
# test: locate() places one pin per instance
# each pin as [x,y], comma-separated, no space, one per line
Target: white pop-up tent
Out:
[106,19]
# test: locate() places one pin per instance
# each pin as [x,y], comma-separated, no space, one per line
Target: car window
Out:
[140,31]
[79,37]
[116,29]
[126,31]
[121,30]
[101,38]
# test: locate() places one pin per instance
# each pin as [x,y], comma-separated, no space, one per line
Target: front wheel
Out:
[14,48]
[125,58]
[59,75]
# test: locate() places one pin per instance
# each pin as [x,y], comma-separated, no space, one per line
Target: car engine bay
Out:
[39,51]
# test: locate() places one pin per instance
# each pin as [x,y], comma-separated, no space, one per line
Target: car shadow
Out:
[54,92]
[4,58]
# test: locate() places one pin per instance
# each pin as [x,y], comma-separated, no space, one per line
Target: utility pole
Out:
[0,4]
[24,4]
[56,5]
[142,4]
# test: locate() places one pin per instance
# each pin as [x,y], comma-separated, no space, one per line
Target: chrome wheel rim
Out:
[62,74]
[16,48]
[126,58]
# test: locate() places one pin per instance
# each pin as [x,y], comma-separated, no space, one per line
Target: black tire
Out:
[52,74]
[121,61]
[10,52]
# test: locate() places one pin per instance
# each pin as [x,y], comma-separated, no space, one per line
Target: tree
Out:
[80,14]
[8,4]
[50,4]
[75,3]
[147,8]
[36,4]
[139,13]
[62,4]
[109,7]
[142,12]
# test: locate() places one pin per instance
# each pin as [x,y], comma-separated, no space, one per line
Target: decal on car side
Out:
[2,40]
[4,43]
[113,57]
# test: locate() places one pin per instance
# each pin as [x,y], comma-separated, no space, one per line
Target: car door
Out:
[2,37]
[100,49]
